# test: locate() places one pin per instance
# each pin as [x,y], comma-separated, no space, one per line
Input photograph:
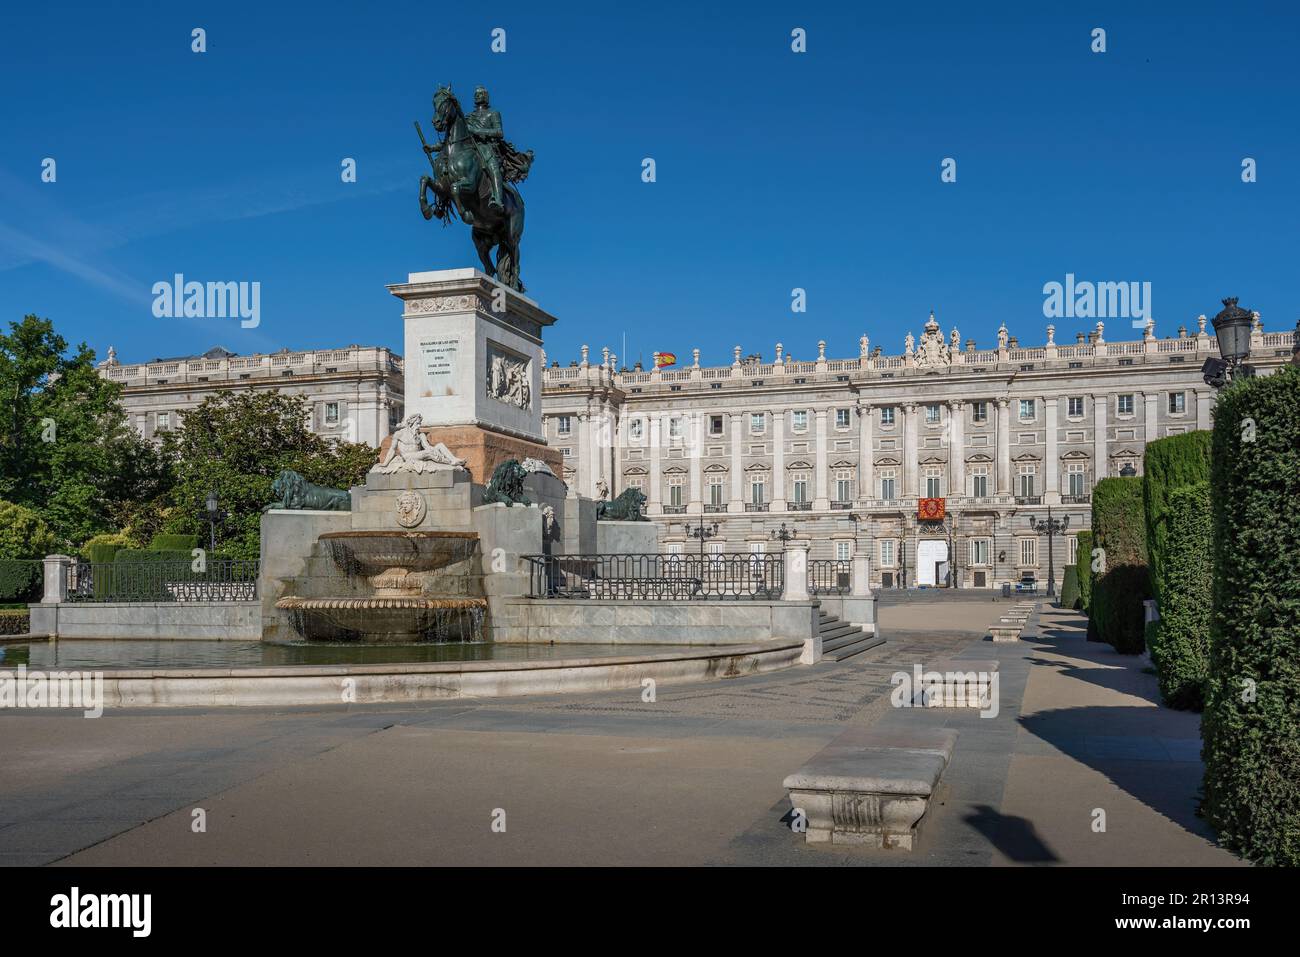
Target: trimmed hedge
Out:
[15,621]
[20,580]
[1251,725]
[1118,527]
[1083,568]
[101,548]
[1180,641]
[1169,464]
[1070,587]
[173,543]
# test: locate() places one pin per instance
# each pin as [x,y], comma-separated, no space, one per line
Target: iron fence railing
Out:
[224,580]
[829,577]
[661,577]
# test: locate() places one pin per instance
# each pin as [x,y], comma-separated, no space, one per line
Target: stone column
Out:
[586,483]
[866,478]
[655,498]
[956,449]
[1004,447]
[911,455]
[1052,481]
[599,446]
[861,574]
[737,503]
[1099,461]
[56,579]
[821,499]
[778,459]
[796,573]
[695,440]
[1150,428]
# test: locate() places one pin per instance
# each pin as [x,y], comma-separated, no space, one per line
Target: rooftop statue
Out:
[474,172]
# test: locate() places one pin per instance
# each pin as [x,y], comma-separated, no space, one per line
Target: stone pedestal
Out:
[473,353]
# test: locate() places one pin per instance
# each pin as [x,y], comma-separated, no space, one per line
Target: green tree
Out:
[236,443]
[23,534]
[66,451]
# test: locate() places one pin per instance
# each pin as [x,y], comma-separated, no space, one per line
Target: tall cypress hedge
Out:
[1070,587]
[1251,725]
[1083,564]
[1118,527]
[1180,640]
[1168,464]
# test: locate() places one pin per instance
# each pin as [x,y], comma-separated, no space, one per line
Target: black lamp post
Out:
[782,534]
[1053,527]
[1232,328]
[214,514]
[703,533]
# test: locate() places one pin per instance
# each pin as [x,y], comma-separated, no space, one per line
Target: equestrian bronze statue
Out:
[475,170]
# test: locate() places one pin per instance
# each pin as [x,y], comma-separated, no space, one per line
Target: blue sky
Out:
[774,170]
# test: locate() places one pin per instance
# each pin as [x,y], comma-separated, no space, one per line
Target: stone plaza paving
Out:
[693,778]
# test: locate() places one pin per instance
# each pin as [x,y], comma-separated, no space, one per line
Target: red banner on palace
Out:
[930,509]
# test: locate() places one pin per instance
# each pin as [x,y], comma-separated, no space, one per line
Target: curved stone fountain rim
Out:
[414,682]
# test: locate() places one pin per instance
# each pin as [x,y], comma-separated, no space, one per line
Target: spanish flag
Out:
[663,359]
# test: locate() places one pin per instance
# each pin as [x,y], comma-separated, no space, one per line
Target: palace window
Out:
[636,429]
[1027,475]
[715,425]
[887,484]
[1177,403]
[933,481]
[1124,404]
[715,489]
[843,551]
[932,414]
[1027,410]
[979,481]
[757,489]
[841,418]
[563,425]
[1075,409]
[979,411]
[756,552]
[887,416]
[674,428]
[979,551]
[1071,550]
[331,413]
[799,420]
[844,485]
[1077,478]
[164,421]
[1029,552]
[638,484]
[675,483]
[886,553]
[799,487]
[757,423]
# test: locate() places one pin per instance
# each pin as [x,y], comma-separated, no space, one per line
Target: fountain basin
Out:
[403,619]
[373,553]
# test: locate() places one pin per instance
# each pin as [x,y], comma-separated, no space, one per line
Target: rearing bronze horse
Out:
[459,183]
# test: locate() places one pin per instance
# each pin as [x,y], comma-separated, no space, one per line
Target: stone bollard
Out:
[796,573]
[56,579]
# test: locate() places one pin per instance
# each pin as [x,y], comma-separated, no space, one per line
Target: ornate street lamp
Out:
[214,514]
[1232,327]
[782,534]
[1053,527]
[1128,471]
[703,533]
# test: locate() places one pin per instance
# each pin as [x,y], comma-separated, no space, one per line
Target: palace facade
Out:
[846,454]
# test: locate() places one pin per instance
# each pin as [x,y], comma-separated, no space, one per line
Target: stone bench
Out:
[871,787]
[959,685]
[1005,630]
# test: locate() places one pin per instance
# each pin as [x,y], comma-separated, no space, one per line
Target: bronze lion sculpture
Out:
[294,491]
[628,507]
[507,484]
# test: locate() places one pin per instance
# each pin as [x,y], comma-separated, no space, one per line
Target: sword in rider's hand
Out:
[428,150]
